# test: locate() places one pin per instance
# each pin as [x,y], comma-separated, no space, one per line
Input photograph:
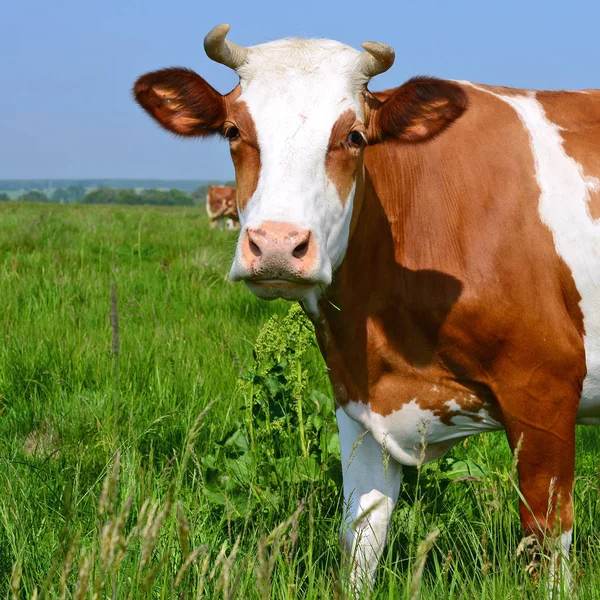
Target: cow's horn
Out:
[378,58]
[223,51]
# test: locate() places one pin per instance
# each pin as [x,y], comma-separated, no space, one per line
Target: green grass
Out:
[203,449]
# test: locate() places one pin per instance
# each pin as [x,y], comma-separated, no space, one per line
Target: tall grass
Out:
[195,454]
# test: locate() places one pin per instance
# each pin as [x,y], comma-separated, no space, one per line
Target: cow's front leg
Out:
[371,485]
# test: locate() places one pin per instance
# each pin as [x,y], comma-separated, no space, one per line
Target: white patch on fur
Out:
[560,577]
[564,208]
[413,435]
[295,90]
[371,485]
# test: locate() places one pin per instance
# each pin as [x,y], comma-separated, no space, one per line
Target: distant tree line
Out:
[127,196]
[186,185]
[108,195]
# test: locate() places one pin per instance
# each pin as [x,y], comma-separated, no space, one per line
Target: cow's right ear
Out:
[181,101]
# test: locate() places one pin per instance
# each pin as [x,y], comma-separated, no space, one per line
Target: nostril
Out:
[254,248]
[301,249]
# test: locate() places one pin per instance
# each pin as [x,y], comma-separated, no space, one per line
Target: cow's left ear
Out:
[418,110]
[181,101]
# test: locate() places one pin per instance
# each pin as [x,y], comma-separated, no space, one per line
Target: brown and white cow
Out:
[221,206]
[443,236]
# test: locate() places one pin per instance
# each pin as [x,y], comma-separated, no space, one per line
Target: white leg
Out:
[371,486]
[560,572]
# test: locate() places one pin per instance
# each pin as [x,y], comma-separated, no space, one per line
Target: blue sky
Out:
[67,67]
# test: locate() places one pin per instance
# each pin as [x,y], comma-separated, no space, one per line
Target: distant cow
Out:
[444,238]
[221,206]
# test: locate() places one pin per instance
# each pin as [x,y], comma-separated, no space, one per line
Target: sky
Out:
[67,67]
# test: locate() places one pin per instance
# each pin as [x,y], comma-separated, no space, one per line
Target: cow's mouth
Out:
[287,284]
[288,289]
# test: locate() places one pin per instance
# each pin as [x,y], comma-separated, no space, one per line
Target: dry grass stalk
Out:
[151,573]
[515,462]
[83,578]
[148,535]
[188,561]
[68,565]
[108,497]
[226,564]
[277,537]
[486,565]
[192,436]
[446,565]
[183,530]
[202,578]
[422,552]
[118,546]
[15,579]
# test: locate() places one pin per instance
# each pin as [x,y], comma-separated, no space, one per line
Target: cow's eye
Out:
[355,138]
[232,134]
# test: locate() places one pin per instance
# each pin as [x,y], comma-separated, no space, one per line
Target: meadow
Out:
[164,434]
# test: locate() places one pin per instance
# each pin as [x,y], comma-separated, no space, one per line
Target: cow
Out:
[221,206]
[444,239]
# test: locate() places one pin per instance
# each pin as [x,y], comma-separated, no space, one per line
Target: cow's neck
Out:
[345,306]
[379,316]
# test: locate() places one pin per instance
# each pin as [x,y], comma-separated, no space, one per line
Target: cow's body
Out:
[479,306]
[487,257]
[451,267]
[221,206]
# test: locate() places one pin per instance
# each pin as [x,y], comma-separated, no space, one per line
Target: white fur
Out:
[295,90]
[564,209]
[371,485]
[560,578]
[413,435]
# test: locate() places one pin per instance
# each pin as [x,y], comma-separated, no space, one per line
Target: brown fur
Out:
[342,159]
[417,111]
[445,297]
[244,153]
[181,101]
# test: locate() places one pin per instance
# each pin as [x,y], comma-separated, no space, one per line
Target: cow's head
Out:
[297,125]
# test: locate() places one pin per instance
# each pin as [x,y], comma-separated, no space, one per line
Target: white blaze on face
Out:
[295,90]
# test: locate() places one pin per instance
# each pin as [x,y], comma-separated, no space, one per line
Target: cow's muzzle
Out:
[277,260]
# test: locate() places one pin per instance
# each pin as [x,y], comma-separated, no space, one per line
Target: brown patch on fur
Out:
[578,116]
[571,296]
[245,154]
[184,103]
[438,287]
[594,203]
[181,102]
[342,159]
[416,111]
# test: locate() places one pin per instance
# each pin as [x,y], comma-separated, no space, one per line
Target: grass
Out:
[195,456]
